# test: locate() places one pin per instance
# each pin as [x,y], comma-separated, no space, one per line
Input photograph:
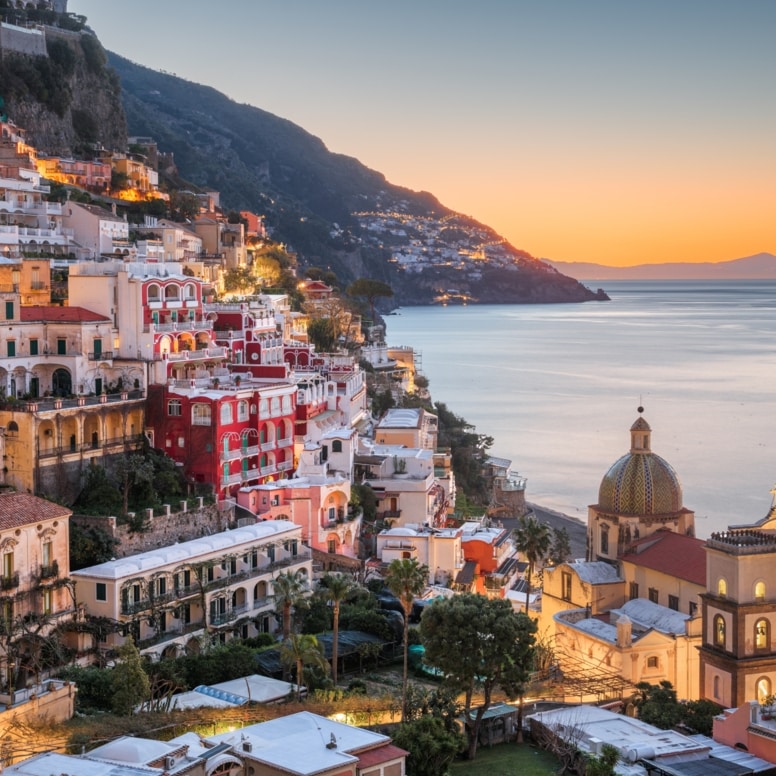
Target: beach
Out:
[576,529]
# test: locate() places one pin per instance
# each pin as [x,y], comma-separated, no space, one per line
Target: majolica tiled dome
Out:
[641,482]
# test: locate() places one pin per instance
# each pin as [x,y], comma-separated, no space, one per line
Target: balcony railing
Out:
[55,404]
[219,618]
[52,570]
[85,447]
[8,582]
[103,355]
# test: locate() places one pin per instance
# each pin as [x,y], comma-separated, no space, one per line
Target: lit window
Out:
[719,630]
[721,587]
[759,591]
[761,640]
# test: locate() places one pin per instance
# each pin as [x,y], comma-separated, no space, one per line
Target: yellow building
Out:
[65,397]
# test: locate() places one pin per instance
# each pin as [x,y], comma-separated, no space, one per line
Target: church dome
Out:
[641,482]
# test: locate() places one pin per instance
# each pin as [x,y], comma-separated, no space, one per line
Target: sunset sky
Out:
[613,131]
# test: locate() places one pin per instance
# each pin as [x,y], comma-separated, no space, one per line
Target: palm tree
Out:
[406,579]
[300,650]
[533,539]
[288,588]
[337,588]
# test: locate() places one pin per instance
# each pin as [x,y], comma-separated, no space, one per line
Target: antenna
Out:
[332,742]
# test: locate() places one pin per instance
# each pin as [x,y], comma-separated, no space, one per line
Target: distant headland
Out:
[761,266]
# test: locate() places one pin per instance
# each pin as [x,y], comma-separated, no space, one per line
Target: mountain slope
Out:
[333,210]
[761,266]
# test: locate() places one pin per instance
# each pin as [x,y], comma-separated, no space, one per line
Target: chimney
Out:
[624,632]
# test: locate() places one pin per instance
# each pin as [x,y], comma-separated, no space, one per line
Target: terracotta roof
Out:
[55,313]
[381,754]
[18,509]
[671,553]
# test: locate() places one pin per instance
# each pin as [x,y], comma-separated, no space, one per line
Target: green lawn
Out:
[507,760]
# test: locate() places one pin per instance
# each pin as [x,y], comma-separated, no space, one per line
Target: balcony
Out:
[221,618]
[52,570]
[103,355]
[9,582]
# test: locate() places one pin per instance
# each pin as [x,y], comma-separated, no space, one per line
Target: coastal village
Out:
[303,473]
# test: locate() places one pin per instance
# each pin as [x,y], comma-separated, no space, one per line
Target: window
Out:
[46,600]
[200,414]
[336,446]
[61,346]
[604,539]
[566,583]
[101,591]
[761,635]
[174,408]
[271,553]
[719,630]
[652,661]
[9,311]
[33,347]
[332,546]
[693,609]
[8,565]
[763,689]
[673,602]
[226,413]
[759,591]
[171,292]
[153,293]
[721,587]
[242,410]
[654,595]
[11,346]
[634,590]
[161,586]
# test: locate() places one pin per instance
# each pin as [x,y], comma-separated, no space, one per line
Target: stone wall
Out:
[23,40]
[163,530]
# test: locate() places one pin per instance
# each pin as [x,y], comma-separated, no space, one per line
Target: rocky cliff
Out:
[62,92]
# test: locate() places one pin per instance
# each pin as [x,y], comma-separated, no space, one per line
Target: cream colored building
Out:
[410,427]
[35,594]
[216,586]
[638,642]
[595,586]
[439,549]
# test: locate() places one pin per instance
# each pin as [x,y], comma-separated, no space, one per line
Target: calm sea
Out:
[557,387]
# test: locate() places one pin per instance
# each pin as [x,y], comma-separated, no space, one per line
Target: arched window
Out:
[716,687]
[763,689]
[242,410]
[759,591]
[336,446]
[171,291]
[226,413]
[153,293]
[190,291]
[762,639]
[12,429]
[721,587]
[719,630]
[200,414]
[604,539]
